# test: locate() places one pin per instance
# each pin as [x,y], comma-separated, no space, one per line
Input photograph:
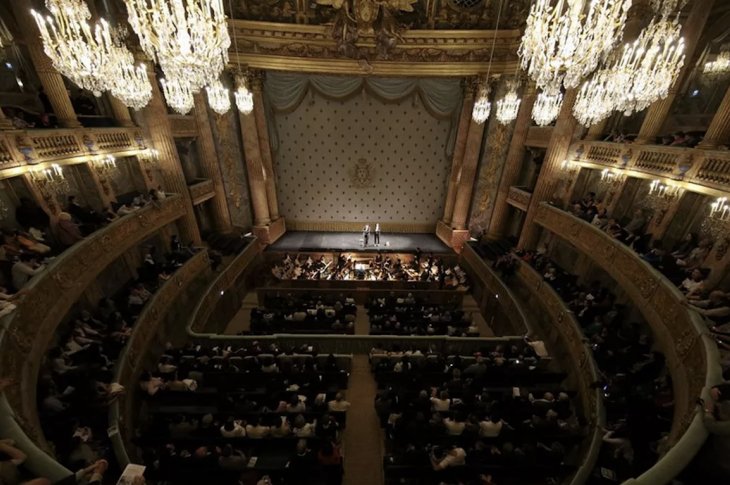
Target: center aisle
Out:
[363,436]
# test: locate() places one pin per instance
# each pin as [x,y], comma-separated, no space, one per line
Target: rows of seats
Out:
[244,411]
[451,419]
[405,314]
[307,314]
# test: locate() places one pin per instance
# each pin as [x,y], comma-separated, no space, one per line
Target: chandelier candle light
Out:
[132,86]
[715,224]
[718,70]
[546,108]
[508,106]
[244,97]
[596,99]
[188,38]
[565,40]
[219,97]
[84,57]
[178,95]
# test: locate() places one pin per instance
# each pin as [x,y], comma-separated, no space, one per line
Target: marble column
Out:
[557,151]
[458,156]
[158,124]
[464,183]
[50,78]
[254,164]
[719,131]
[596,132]
[209,163]
[513,164]
[262,131]
[120,112]
[659,110]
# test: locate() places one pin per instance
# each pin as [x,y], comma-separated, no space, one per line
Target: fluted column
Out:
[513,164]
[458,156]
[209,163]
[262,131]
[719,131]
[254,165]
[659,110]
[467,173]
[557,151]
[50,78]
[595,132]
[172,173]
[120,112]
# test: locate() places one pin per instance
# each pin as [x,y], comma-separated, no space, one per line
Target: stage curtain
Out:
[285,91]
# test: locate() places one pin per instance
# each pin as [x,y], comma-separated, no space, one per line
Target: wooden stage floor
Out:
[303,241]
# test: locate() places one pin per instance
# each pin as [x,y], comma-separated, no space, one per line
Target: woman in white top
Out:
[295,405]
[302,429]
[490,428]
[456,426]
[441,403]
[232,429]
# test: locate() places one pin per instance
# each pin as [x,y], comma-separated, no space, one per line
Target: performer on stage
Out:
[365,234]
[377,234]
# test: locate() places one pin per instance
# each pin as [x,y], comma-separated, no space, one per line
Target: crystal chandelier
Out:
[649,67]
[482,106]
[244,97]
[130,84]
[596,99]
[219,97]
[565,43]
[508,106]
[75,51]
[718,70]
[715,224]
[178,95]
[188,38]
[546,108]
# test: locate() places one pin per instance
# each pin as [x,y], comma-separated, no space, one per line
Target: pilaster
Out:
[262,131]
[459,147]
[254,164]
[663,217]
[718,132]
[120,112]
[209,163]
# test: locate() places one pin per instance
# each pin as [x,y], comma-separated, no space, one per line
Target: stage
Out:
[303,241]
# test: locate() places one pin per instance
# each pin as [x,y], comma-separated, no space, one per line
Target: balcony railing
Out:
[692,357]
[519,197]
[52,293]
[708,168]
[201,190]
[31,147]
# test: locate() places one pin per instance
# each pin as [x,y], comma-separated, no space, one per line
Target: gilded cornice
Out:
[310,48]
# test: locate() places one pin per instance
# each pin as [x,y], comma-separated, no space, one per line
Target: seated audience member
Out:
[232,429]
[67,232]
[231,459]
[25,269]
[339,404]
[442,459]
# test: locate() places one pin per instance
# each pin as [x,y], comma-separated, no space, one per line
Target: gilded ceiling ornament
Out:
[362,174]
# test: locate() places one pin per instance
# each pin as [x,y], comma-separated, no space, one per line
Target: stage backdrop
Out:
[341,163]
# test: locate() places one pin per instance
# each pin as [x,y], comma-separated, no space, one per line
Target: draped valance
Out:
[285,91]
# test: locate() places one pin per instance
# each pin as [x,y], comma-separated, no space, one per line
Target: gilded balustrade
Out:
[519,197]
[698,170]
[692,357]
[201,190]
[20,149]
[51,294]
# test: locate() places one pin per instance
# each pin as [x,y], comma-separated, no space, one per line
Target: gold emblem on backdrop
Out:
[362,174]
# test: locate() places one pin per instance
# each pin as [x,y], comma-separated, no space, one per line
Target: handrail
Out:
[127,368]
[692,356]
[584,361]
[54,291]
[507,300]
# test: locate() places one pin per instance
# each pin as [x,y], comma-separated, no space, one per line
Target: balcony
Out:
[519,197]
[201,190]
[52,293]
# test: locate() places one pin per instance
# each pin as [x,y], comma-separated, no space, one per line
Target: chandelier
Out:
[718,70]
[244,97]
[188,38]
[610,179]
[482,106]
[596,99]
[51,181]
[567,170]
[508,106]
[546,108]
[715,224]
[219,97]
[130,84]
[106,166]
[178,95]
[76,52]
[565,43]
[660,195]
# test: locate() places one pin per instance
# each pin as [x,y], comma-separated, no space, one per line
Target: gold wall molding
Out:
[183,126]
[52,293]
[677,330]
[519,197]
[309,48]
[337,226]
[201,191]
[539,136]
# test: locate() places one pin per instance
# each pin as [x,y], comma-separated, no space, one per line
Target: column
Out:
[51,80]
[254,164]
[262,130]
[209,163]
[595,132]
[459,146]
[513,164]
[172,172]
[557,151]
[5,123]
[101,183]
[120,112]
[719,131]
[659,110]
